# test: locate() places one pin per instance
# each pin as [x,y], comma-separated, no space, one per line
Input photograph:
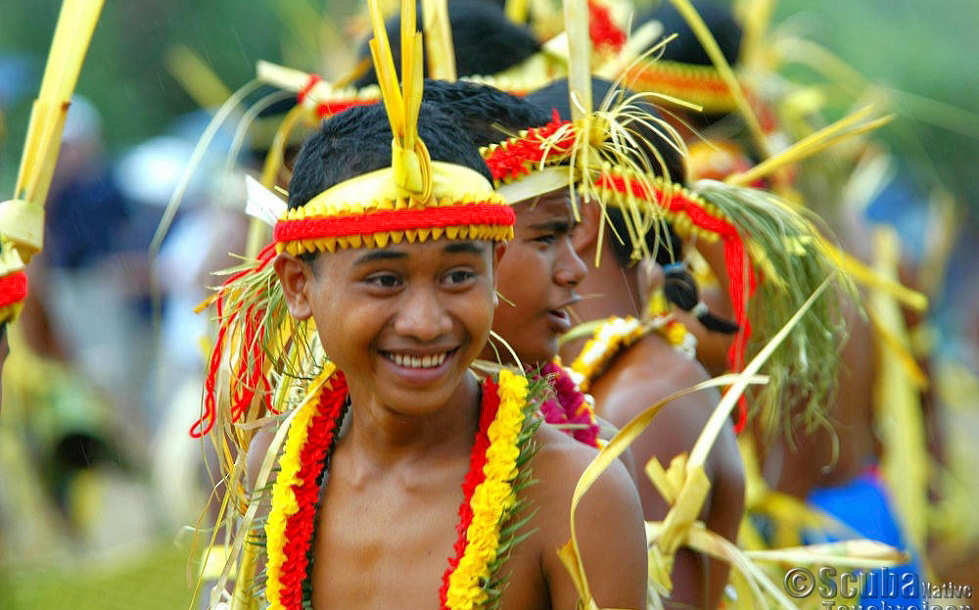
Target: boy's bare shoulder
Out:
[558,465]
[609,523]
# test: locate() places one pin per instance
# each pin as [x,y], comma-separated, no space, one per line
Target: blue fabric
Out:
[864,506]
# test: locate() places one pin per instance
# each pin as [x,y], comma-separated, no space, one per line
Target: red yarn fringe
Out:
[516,158]
[249,373]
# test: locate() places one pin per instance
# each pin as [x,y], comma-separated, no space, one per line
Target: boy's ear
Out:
[296,278]
[585,235]
[498,251]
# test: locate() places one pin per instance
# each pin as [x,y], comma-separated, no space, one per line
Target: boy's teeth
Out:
[425,362]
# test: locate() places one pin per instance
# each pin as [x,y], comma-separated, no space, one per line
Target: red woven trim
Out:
[313,79]
[475,476]
[312,459]
[13,288]
[328,109]
[656,74]
[383,221]
[516,157]
[602,30]
[739,271]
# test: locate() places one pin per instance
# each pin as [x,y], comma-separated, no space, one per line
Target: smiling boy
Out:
[404,479]
[403,323]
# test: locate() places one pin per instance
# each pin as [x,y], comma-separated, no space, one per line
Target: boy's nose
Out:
[569,269]
[422,316]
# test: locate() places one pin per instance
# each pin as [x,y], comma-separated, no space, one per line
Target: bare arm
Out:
[698,581]
[611,535]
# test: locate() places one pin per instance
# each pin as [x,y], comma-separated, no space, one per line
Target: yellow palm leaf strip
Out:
[438,40]
[810,145]
[859,553]
[517,11]
[569,553]
[72,35]
[196,77]
[409,157]
[258,231]
[722,412]
[755,18]
[384,66]
[904,460]
[707,40]
[704,541]
[22,219]
[579,58]
[870,278]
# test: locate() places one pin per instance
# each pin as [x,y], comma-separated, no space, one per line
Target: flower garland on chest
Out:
[570,409]
[618,334]
[498,470]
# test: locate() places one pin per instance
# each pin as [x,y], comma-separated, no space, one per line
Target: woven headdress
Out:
[414,200]
[766,244]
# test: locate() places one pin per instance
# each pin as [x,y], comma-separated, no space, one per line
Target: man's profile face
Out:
[537,278]
[404,321]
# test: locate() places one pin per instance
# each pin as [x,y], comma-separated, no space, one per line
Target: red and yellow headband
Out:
[413,200]
[371,211]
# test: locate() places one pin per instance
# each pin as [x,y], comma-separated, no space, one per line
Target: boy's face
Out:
[404,321]
[537,278]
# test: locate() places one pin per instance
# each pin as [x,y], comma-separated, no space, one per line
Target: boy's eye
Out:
[548,238]
[459,276]
[384,280]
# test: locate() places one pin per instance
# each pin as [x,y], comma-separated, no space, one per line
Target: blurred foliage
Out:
[925,49]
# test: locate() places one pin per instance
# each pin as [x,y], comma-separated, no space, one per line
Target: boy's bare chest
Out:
[387,546]
[384,545]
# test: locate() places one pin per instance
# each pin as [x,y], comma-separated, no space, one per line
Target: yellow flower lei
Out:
[616,334]
[493,500]
[613,335]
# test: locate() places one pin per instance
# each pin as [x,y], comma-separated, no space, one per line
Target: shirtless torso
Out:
[384,534]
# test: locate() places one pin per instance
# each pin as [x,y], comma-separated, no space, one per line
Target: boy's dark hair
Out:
[686,48]
[358,141]
[487,114]
[485,41]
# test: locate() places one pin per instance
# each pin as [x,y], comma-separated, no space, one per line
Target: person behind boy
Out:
[647,369]
[392,256]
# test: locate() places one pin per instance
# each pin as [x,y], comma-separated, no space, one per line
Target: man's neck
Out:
[608,290]
[385,437]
